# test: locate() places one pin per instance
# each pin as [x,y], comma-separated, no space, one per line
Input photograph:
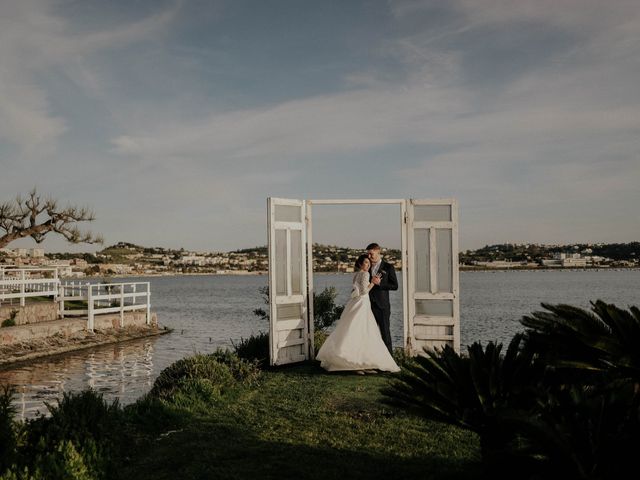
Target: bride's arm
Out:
[365,285]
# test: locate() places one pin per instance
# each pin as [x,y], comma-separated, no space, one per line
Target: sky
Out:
[176,120]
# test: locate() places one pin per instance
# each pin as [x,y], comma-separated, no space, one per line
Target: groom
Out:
[379,294]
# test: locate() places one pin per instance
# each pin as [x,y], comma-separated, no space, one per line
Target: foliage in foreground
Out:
[78,441]
[564,400]
[85,438]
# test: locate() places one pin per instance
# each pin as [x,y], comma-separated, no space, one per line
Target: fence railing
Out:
[80,299]
[75,298]
[22,283]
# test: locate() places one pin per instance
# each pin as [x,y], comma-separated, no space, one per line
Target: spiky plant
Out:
[597,345]
[486,392]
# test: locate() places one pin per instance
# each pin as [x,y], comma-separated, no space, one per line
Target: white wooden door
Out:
[433,283]
[289,337]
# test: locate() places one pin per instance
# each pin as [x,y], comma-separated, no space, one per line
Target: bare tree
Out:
[35,217]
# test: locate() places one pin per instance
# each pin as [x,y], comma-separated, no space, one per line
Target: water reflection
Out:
[123,371]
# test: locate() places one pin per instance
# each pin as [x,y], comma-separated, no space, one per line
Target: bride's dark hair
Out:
[360,261]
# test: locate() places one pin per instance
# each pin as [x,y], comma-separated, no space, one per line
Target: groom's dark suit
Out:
[379,296]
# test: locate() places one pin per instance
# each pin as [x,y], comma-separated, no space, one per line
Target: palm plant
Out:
[586,433]
[596,345]
[563,401]
[592,415]
[485,392]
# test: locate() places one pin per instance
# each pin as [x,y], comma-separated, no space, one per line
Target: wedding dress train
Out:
[356,343]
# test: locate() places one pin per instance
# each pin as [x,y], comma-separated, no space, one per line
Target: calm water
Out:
[211,311]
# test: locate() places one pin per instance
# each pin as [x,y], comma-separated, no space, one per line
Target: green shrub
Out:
[325,310]
[87,433]
[402,357]
[8,442]
[62,462]
[221,369]
[11,321]
[253,348]
[319,337]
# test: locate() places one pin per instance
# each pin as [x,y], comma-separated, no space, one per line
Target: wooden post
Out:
[122,306]
[148,303]
[57,282]
[90,314]
[61,301]
[22,282]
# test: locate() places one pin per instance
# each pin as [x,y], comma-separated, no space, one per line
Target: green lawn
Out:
[297,422]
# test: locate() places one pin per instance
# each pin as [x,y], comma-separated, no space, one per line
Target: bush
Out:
[11,321]
[86,432]
[325,310]
[62,462]
[80,440]
[402,357]
[254,348]
[7,428]
[319,337]
[220,369]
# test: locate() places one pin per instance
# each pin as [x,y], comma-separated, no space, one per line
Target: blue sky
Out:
[175,120]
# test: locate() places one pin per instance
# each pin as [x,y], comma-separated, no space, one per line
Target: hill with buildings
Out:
[129,259]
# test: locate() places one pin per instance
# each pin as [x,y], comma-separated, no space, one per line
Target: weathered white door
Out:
[289,337]
[433,283]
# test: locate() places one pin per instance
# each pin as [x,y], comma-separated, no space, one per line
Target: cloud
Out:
[578,14]
[508,105]
[33,41]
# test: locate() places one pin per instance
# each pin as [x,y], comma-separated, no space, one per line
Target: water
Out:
[207,312]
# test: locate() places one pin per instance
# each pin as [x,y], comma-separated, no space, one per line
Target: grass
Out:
[295,422]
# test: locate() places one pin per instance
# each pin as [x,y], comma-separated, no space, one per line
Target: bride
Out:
[356,343]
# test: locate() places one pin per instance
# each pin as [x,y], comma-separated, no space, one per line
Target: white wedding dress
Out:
[356,343]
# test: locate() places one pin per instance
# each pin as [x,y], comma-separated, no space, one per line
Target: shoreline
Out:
[23,353]
[461,268]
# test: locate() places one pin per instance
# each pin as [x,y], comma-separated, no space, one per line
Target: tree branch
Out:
[34,217]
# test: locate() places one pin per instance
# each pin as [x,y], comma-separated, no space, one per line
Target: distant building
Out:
[116,268]
[79,263]
[37,253]
[566,260]
[574,262]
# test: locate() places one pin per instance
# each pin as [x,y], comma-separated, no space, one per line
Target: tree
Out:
[35,217]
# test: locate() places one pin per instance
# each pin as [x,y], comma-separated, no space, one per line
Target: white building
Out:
[574,262]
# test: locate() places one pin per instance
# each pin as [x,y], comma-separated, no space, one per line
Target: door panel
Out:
[288,315]
[432,232]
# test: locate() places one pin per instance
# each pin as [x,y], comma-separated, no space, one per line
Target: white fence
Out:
[22,283]
[80,299]
[75,298]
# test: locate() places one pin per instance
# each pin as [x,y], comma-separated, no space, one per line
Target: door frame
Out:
[407,227]
[402,203]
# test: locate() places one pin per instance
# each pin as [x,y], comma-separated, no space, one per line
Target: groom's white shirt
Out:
[375,268]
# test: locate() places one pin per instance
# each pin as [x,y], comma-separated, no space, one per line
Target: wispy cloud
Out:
[34,40]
